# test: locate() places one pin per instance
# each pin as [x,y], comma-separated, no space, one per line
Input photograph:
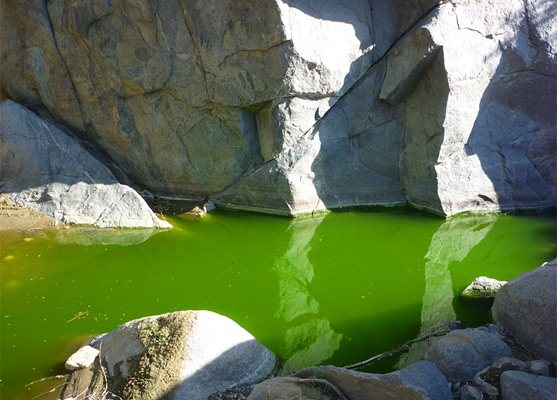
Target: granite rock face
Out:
[489,139]
[44,169]
[181,355]
[285,107]
[527,308]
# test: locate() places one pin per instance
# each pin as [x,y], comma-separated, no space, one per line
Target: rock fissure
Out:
[242,51]
[44,10]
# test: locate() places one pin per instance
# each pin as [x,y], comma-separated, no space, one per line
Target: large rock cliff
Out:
[287,106]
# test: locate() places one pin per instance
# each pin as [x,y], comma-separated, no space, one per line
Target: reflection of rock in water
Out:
[452,242]
[309,338]
[309,343]
[87,236]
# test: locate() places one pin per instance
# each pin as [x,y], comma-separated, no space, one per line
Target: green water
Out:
[331,290]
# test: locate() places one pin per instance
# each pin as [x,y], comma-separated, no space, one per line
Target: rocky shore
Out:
[198,355]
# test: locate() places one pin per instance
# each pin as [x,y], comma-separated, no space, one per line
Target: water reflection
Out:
[87,236]
[308,338]
[451,243]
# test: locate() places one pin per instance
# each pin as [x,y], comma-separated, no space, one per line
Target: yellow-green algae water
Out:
[330,290]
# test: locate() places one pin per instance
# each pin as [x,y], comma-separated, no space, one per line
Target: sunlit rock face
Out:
[479,130]
[180,355]
[289,107]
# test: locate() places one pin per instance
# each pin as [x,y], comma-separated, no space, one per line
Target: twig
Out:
[50,391]
[105,392]
[44,379]
[404,347]
[78,316]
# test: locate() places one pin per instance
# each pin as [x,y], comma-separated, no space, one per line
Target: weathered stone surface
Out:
[460,354]
[291,388]
[181,355]
[44,169]
[421,380]
[483,145]
[519,385]
[174,69]
[482,287]
[82,358]
[527,308]
[288,107]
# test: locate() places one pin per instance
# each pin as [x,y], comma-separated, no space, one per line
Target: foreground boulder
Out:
[460,354]
[418,381]
[181,355]
[44,169]
[526,307]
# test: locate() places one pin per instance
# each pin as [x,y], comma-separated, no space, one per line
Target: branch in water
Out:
[404,347]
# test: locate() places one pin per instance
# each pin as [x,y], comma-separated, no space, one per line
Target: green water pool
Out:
[330,290]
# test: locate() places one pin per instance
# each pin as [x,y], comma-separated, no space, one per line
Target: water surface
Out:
[330,290]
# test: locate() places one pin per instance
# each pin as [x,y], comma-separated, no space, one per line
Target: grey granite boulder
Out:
[460,354]
[181,355]
[519,385]
[291,388]
[527,308]
[44,169]
[421,380]
[484,145]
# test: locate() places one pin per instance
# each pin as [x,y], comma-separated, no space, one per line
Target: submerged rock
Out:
[482,287]
[48,171]
[527,308]
[181,355]
[460,354]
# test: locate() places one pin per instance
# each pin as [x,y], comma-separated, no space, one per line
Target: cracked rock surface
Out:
[44,169]
[288,107]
